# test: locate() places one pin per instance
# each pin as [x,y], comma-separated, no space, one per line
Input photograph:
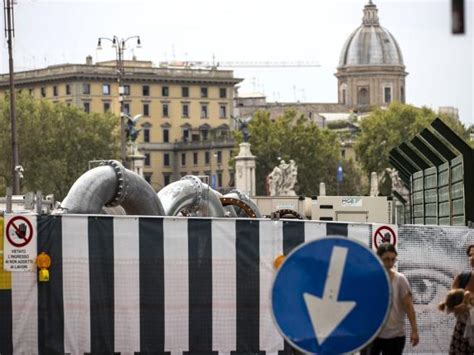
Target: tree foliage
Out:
[315,151]
[55,143]
[384,130]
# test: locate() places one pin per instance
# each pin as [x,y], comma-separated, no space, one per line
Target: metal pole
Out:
[9,31]
[123,147]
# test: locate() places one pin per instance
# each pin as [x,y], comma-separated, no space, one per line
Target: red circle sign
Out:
[19,231]
[384,234]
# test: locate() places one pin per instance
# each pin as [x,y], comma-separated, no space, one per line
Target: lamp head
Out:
[99,45]
[114,43]
[139,43]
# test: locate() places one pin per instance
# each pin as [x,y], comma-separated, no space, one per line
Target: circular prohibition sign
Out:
[384,234]
[25,234]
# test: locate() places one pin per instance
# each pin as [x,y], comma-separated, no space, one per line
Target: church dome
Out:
[371,44]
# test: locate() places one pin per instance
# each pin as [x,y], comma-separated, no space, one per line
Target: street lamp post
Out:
[119,45]
[10,33]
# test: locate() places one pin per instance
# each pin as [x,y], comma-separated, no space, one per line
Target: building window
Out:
[363,97]
[86,89]
[147,177]
[166,179]
[219,178]
[219,157]
[387,95]
[146,135]
[166,159]
[165,110]
[195,158]
[126,89]
[203,111]
[68,89]
[183,158]
[106,89]
[207,158]
[222,93]
[146,110]
[185,109]
[145,90]
[185,91]
[106,107]
[222,111]
[165,91]
[344,96]
[203,92]
[402,95]
[166,135]
[185,135]
[126,108]
[55,91]
[147,159]
[87,107]
[205,134]
[43,92]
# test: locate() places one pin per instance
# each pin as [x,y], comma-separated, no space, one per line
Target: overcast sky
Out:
[440,65]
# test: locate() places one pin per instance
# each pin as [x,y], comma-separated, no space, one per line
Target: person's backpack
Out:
[464,278]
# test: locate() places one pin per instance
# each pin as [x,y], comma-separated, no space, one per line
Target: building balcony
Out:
[214,143]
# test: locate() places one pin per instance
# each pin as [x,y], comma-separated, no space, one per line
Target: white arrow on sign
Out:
[327,313]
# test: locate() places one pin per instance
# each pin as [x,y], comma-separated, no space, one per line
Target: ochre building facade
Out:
[187,112]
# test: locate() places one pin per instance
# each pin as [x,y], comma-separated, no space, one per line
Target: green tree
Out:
[386,129]
[315,151]
[55,142]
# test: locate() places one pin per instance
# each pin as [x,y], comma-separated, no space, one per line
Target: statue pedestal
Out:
[135,159]
[245,170]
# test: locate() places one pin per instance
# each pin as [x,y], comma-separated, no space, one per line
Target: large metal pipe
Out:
[192,195]
[111,185]
[237,194]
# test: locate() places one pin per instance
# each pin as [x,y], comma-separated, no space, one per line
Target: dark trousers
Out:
[392,346]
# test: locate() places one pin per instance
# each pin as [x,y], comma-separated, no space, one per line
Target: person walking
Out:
[459,343]
[392,337]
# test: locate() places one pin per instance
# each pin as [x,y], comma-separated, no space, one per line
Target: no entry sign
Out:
[19,242]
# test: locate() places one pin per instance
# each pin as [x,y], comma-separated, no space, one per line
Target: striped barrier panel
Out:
[162,285]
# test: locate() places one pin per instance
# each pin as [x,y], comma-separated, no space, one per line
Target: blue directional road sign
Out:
[331,296]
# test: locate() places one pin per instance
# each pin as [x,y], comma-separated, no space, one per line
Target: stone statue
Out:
[391,181]
[130,129]
[282,180]
[274,181]
[397,184]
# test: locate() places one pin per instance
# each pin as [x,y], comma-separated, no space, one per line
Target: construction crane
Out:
[239,64]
